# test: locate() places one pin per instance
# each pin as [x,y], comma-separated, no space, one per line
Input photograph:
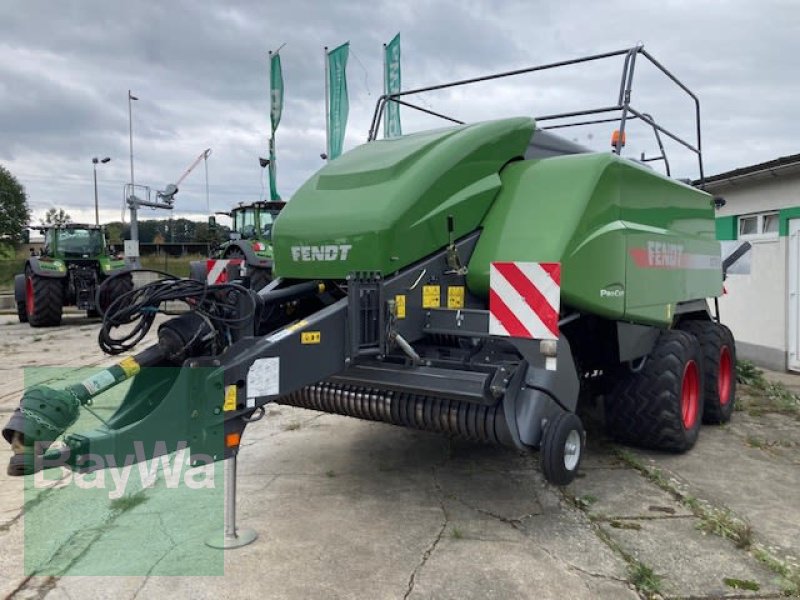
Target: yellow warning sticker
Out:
[455,296]
[230,398]
[400,306]
[310,337]
[296,326]
[431,296]
[130,366]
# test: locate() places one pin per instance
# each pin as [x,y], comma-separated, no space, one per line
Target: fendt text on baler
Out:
[475,280]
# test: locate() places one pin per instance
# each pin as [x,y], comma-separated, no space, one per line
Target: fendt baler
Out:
[475,280]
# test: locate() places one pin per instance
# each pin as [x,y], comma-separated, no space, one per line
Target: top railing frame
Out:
[623,105]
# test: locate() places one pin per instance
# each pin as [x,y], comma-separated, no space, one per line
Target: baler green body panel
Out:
[384,205]
[631,242]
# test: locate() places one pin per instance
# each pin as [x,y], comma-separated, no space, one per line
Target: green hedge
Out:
[9,268]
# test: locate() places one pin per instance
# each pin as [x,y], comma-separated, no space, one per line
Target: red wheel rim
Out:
[29,295]
[724,377]
[690,394]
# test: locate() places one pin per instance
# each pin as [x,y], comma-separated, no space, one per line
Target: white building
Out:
[762,309]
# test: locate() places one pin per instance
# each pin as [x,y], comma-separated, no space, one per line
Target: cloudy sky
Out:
[200,71]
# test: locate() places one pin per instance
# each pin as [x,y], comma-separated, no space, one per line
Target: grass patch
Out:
[176,265]
[749,374]
[330,473]
[617,524]
[129,502]
[457,534]
[759,395]
[585,501]
[293,426]
[741,584]
[791,577]
[724,523]
[719,521]
[644,579]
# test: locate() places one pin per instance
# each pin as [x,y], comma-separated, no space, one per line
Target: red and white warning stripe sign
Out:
[217,269]
[524,299]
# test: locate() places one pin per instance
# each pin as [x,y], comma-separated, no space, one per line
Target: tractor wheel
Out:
[562,448]
[116,287]
[198,270]
[44,298]
[719,368]
[22,312]
[660,405]
[259,278]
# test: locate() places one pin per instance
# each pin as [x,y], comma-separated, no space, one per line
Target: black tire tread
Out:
[712,336]
[259,278]
[551,448]
[48,301]
[119,285]
[22,312]
[645,409]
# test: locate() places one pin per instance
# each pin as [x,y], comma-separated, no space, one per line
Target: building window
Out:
[759,226]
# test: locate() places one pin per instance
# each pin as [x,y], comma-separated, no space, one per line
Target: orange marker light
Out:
[232,440]
[615,138]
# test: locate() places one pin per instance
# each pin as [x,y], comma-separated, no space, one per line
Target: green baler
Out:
[476,280]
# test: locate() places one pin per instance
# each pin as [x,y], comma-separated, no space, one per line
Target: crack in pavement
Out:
[41,590]
[32,503]
[432,547]
[166,553]
[517,525]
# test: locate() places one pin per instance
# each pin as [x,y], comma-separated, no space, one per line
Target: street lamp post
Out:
[95,160]
[132,201]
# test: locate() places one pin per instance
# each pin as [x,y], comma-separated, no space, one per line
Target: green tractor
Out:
[483,280]
[249,246]
[74,261]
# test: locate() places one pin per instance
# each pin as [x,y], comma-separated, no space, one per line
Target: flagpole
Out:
[327,111]
[385,91]
[271,149]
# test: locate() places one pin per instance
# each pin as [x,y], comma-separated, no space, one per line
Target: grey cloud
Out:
[200,71]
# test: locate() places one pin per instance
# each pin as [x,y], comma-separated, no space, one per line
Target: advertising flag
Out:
[391,85]
[276,109]
[338,106]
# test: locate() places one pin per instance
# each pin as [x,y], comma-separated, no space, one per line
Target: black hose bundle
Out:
[218,303]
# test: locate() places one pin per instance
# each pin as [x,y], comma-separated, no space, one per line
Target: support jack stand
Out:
[233,537]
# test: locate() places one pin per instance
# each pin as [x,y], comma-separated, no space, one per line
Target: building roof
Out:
[765,167]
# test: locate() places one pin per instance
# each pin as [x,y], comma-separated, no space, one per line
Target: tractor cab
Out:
[73,241]
[254,221]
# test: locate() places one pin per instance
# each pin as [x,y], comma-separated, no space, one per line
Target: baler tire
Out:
[46,300]
[561,449]
[259,277]
[118,286]
[719,369]
[660,405]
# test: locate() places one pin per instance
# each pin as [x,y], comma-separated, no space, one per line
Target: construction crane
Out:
[168,195]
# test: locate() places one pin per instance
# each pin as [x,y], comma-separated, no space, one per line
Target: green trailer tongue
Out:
[477,280]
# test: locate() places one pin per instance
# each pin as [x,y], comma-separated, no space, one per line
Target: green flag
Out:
[276,109]
[391,85]
[339,106]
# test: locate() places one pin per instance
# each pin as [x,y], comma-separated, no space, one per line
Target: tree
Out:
[14,211]
[114,232]
[56,216]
